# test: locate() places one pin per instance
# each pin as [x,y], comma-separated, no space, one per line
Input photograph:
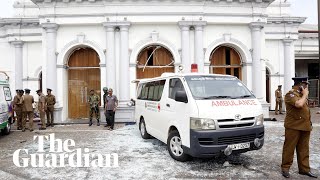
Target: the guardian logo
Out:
[62,154]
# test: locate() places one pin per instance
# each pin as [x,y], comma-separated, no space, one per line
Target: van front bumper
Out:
[210,143]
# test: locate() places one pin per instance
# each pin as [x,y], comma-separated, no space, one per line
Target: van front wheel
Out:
[174,145]
[143,130]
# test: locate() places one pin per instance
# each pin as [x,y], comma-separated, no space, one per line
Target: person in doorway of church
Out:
[105,91]
[17,107]
[27,108]
[94,101]
[41,108]
[279,100]
[111,107]
[298,127]
[50,102]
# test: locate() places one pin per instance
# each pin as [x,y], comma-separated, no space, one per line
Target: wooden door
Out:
[83,75]
[225,60]
[161,60]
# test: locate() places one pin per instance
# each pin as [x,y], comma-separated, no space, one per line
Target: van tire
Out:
[143,130]
[7,129]
[174,145]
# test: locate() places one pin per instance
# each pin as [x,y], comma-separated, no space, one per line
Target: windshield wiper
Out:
[216,97]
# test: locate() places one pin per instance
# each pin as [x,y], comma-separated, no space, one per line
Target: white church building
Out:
[73,46]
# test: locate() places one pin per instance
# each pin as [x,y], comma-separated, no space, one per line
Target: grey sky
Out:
[304,8]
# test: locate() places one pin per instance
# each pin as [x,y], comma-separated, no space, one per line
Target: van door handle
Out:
[168,105]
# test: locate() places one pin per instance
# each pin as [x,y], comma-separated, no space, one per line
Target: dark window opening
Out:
[228,56]
[236,72]
[313,70]
[228,71]
[150,57]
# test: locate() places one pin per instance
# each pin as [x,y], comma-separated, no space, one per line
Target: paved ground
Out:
[315,116]
[149,159]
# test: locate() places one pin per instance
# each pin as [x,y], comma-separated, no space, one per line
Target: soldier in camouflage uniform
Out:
[94,101]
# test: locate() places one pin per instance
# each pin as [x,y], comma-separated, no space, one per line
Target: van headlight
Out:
[202,123]
[259,120]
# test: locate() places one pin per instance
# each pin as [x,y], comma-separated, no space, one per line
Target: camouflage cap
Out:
[105,88]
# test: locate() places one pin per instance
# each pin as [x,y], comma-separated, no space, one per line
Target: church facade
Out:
[73,46]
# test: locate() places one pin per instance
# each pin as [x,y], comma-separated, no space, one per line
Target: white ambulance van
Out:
[199,115]
[6,112]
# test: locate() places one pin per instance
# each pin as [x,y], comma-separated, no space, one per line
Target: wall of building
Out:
[274,61]
[32,66]
[68,33]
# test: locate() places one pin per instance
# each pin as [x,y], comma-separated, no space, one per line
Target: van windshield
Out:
[217,87]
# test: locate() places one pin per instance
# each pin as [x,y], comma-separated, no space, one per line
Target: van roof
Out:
[166,75]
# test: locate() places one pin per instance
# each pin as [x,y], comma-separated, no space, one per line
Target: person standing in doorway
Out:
[50,102]
[94,101]
[27,101]
[41,108]
[111,107]
[298,126]
[279,100]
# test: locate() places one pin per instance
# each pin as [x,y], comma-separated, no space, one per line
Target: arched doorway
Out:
[154,60]
[83,75]
[225,60]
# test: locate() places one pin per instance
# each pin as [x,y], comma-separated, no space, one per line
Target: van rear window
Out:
[151,91]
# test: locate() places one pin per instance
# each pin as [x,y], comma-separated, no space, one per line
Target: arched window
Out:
[154,60]
[225,60]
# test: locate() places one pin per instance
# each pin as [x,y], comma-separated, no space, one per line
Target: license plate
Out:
[239,146]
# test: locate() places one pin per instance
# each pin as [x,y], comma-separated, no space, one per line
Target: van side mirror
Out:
[181,96]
